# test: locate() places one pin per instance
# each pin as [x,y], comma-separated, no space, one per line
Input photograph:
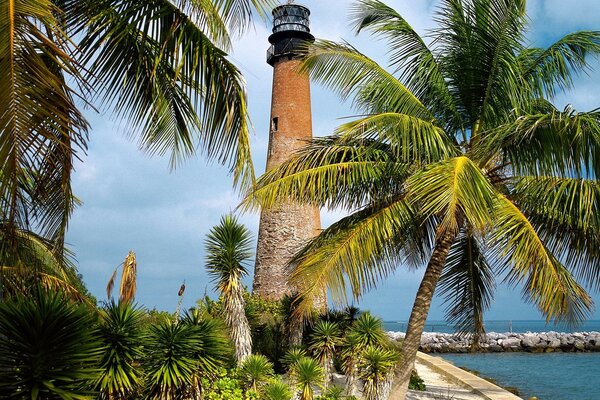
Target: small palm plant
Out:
[277,390]
[366,331]
[255,371]
[121,334]
[324,341]
[376,370]
[292,356]
[49,348]
[170,366]
[229,249]
[306,373]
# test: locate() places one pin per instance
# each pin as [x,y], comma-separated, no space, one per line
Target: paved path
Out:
[445,381]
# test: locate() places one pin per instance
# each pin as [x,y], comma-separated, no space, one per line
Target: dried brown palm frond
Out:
[128,285]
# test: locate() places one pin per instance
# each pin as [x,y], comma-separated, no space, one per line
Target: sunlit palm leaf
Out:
[350,73]
[546,282]
[566,214]
[409,54]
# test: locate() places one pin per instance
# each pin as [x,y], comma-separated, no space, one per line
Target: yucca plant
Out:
[376,370]
[50,348]
[459,140]
[366,331]
[255,372]
[306,374]
[170,364]
[323,343]
[121,334]
[228,253]
[277,390]
[292,356]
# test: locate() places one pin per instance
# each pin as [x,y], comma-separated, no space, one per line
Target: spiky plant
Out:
[277,390]
[376,369]
[121,334]
[324,340]
[460,139]
[49,348]
[366,331]
[228,253]
[306,374]
[292,356]
[255,372]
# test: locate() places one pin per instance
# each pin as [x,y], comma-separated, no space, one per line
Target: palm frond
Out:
[411,140]
[564,144]
[547,283]
[167,79]
[566,214]
[467,285]
[409,55]
[128,285]
[41,129]
[358,251]
[479,41]
[348,72]
[551,70]
[452,189]
[330,172]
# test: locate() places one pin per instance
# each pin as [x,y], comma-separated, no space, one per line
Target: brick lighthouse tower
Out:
[283,231]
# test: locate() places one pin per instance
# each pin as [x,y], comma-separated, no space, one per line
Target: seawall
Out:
[543,342]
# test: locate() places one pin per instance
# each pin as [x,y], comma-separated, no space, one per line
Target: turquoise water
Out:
[502,326]
[549,376]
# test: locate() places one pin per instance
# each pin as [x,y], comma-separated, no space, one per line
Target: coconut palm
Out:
[255,371]
[160,66]
[122,337]
[376,370]
[228,253]
[306,373]
[323,342]
[458,152]
[49,348]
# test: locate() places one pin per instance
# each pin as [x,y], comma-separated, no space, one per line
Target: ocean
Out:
[548,376]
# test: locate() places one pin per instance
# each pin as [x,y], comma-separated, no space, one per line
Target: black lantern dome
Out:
[290,30]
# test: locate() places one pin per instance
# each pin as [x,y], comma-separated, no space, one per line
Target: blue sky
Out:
[133,202]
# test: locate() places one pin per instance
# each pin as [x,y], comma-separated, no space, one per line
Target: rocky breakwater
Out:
[493,342]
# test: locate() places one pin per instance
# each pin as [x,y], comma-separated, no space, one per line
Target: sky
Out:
[132,201]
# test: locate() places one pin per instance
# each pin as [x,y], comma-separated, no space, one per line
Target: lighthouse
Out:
[283,231]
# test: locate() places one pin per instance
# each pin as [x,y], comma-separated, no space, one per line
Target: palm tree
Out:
[122,336]
[458,153]
[160,66]
[128,285]
[50,348]
[255,371]
[228,253]
[306,373]
[323,342]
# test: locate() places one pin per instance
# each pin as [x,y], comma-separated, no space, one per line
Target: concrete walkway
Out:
[445,381]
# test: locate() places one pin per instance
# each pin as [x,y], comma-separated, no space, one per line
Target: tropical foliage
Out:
[459,162]
[50,348]
[161,67]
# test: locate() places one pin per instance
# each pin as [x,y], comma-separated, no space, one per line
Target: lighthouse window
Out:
[275,124]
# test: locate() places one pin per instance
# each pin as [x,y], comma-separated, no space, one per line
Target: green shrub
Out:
[416,383]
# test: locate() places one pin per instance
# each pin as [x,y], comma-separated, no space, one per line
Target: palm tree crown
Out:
[458,162]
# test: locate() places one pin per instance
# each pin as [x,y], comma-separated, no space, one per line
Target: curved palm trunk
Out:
[419,313]
[237,323]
